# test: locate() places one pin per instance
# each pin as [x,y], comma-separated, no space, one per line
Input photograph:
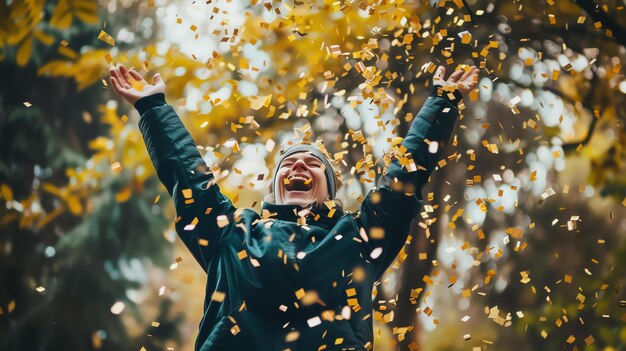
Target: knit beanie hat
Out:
[317,153]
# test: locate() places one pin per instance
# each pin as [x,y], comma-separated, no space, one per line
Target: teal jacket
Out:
[273,281]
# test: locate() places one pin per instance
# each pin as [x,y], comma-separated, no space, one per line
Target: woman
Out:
[298,276]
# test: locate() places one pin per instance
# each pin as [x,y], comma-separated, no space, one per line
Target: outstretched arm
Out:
[387,212]
[179,165]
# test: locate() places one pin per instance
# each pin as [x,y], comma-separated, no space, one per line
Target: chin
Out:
[302,202]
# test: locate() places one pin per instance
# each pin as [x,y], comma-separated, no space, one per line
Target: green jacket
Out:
[275,284]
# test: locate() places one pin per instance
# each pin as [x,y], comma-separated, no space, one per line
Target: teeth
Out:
[306,180]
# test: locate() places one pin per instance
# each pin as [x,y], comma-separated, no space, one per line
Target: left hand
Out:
[460,79]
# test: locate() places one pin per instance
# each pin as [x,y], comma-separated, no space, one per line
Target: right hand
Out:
[131,86]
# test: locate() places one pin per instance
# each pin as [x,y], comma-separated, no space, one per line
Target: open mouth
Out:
[298,183]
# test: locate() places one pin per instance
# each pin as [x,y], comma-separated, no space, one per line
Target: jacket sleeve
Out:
[388,210]
[187,178]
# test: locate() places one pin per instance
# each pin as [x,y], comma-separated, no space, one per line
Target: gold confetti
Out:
[116,167]
[292,336]
[256,102]
[218,296]
[222,221]
[192,225]
[118,307]
[103,36]
[300,293]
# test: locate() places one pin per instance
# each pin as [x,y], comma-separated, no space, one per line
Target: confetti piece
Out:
[376,253]
[218,296]
[103,36]
[192,225]
[313,322]
[377,233]
[118,307]
[300,293]
[466,37]
[116,167]
[222,221]
[292,336]
[256,102]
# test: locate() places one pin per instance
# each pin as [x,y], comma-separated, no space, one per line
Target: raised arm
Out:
[179,166]
[387,211]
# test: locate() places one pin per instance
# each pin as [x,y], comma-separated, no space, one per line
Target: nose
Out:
[299,164]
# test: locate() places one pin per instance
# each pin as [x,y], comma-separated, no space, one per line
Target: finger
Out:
[472,78]
[116,75]
[467,74]
[115,72]
[440,72]
[136,75]
[157,79]
[455,76]
[125,75]
[116,85]
[438,78]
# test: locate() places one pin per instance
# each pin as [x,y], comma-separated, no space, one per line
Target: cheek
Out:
[280,178]
[320,180]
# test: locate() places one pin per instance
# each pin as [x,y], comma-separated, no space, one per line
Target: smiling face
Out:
[300,180]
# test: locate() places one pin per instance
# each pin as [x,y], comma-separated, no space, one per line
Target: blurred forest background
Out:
[521,244]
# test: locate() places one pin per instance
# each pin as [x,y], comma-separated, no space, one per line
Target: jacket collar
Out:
[317,215]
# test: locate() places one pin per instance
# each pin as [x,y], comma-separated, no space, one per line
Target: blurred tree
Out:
[78,226]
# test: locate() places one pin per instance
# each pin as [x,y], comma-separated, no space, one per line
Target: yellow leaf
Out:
[67,10]
[52,189]
[18,35]
[89,18]
[87,11]
[49,217]
[56,68]
[67,52]
[44,38]
[62,17]
[123,195]
[23,53]
[101,143]
[74,205]
[89,68]
[6,192]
